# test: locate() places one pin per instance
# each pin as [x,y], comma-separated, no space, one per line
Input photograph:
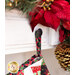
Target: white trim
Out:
[25,48]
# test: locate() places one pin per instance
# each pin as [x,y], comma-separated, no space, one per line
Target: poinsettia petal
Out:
[34,11]
[61,38]
[61,35]
[55,8]
[35,17]
[33,24]
[43,0]
[39,21]
[40,14]
[66,25]
[51,19]
[58,5]
[59,0]
[64,14]
[43,22]
[31,13]
[61,3]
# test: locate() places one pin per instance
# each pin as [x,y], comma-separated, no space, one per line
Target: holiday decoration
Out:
[49,13]
[46,12]
[64,35]
[62,53]
[36,64]
[23,5]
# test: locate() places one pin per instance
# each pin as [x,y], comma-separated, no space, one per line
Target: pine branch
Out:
[23,5]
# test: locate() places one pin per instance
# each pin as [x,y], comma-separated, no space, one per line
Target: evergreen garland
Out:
[23,5]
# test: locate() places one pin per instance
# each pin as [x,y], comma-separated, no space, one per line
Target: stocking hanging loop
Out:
[38,34]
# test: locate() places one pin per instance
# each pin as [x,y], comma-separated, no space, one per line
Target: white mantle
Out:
[20,38]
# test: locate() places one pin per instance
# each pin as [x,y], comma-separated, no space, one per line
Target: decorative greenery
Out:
[23,5]
[45,5]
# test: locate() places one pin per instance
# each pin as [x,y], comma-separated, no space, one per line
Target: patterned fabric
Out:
[29,62]
[36,70]
[40,70]
[20,72]
[34,59]
[44,70]
[38,41]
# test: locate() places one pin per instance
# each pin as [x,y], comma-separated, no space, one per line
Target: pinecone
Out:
[62,53]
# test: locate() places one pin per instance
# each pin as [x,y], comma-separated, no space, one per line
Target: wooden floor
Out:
[49,57]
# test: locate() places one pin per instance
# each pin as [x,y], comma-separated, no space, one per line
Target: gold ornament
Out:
[44,8]
[9,4]
[43,4]
[48,1]
[52,0]
[49,8]
[62,53]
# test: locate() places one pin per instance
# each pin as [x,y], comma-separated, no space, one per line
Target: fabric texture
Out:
[35,65]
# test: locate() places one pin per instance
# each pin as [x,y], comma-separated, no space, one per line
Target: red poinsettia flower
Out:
[61,35]
[58,10]
[66,25]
